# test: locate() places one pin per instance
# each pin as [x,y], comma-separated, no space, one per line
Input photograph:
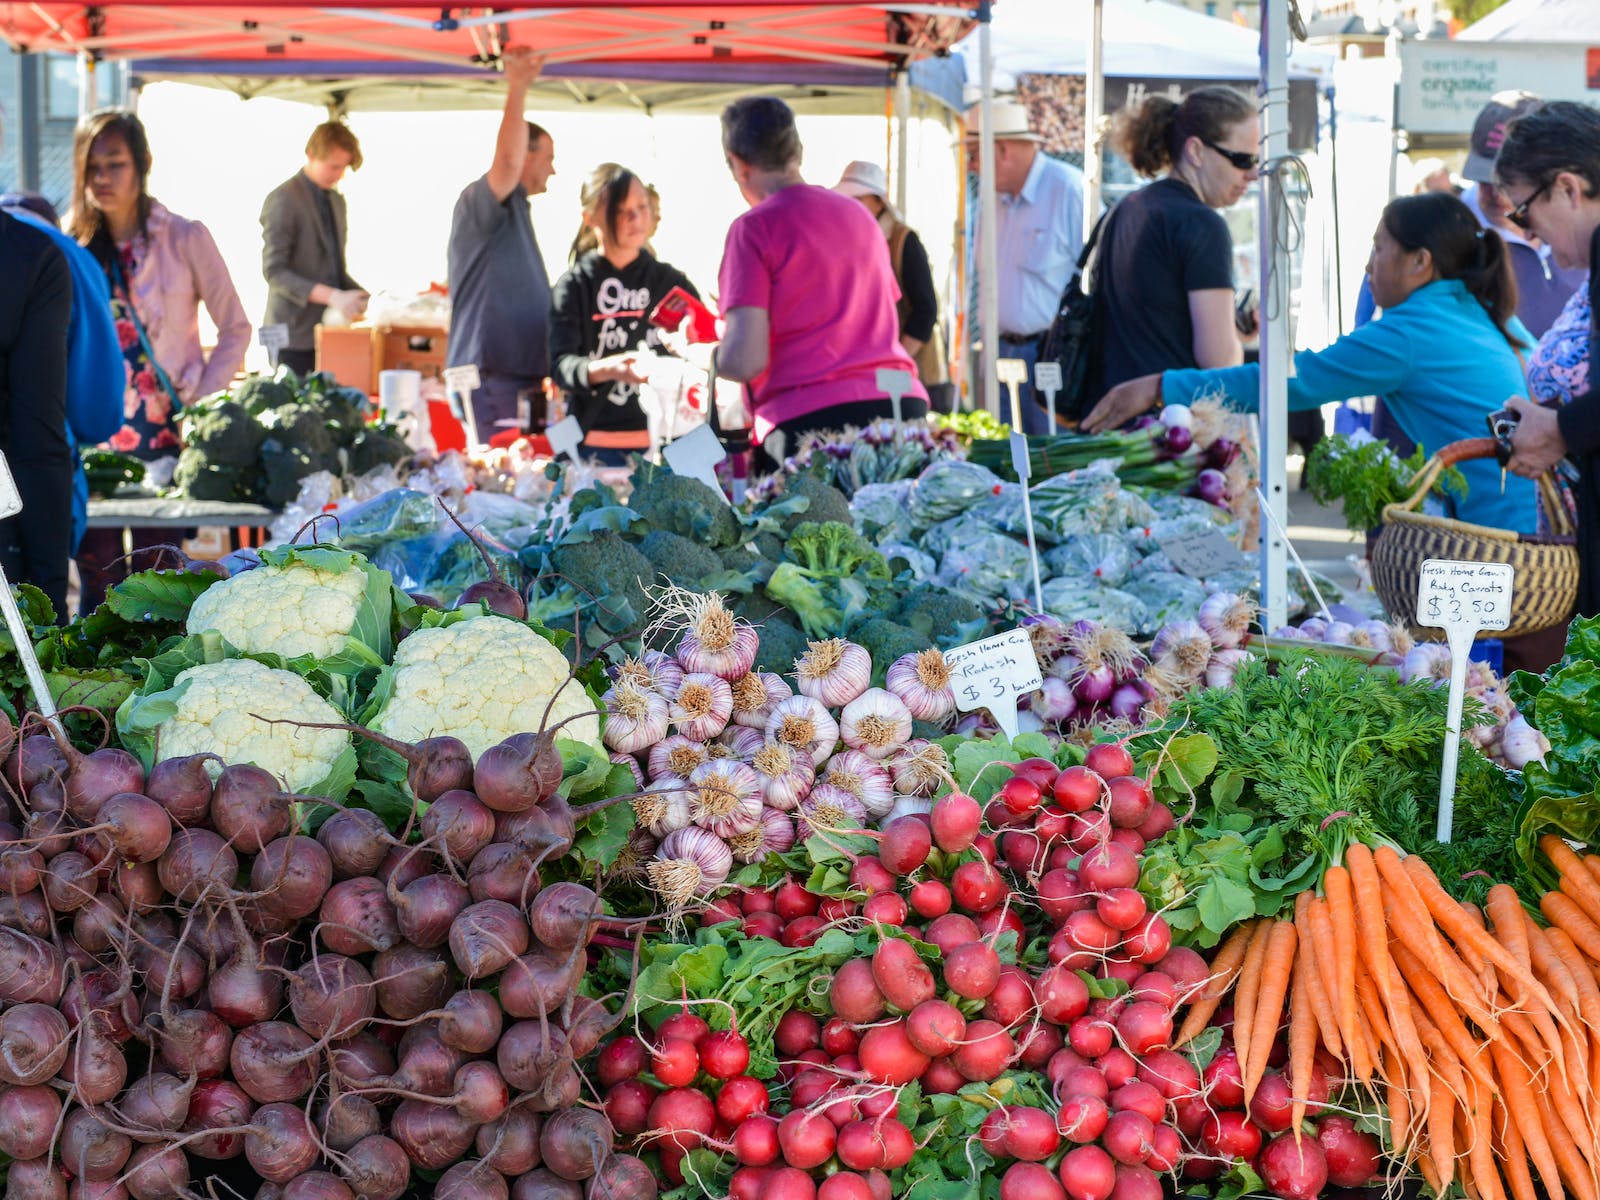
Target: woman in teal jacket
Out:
[1446,352]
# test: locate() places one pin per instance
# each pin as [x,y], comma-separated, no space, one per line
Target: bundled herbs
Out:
[1367,476]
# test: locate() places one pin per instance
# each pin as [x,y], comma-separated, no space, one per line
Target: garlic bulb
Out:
[636,719]
[676,755]
[920,768]
[727,797]
[703,706]
[689,863]
[830,809]
[786,774]
[755,696]
[922,683]
[664,807]
[716,643]
[833,671]
[876,723]
[773,834]
[639,849]
[906,806]
[1224,663]
[804,723]
[741,742]
[666,674]
[1226,619]
[1186,643]
[864,777]
[632,763]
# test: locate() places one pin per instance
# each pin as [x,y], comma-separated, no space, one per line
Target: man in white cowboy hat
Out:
[1039,232]
[918,306]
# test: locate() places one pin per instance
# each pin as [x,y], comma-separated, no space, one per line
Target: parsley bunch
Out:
[1367,476]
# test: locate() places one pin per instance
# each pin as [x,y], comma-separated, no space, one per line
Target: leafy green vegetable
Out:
[1367,476]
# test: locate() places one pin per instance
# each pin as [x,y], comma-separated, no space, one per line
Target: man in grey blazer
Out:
[303,228]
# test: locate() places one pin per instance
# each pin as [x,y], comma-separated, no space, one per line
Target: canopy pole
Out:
[1094,104]
[988,215]
[902,130]
[88,88]
[1274,291]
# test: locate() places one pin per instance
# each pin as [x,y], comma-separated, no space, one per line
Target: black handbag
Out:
[1072,339]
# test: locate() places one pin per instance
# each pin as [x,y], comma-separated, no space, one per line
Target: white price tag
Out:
[1047,379]
[566,435]
[895,384]
[10,498]
[696,454]
[21,635]
[994,674]
[1461,598]
[1013,373]
[1201,554]
[273,337]
[462,380]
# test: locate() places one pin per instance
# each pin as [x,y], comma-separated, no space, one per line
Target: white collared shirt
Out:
[1040,233]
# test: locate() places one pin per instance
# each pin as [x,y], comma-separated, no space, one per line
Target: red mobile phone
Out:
[676,306]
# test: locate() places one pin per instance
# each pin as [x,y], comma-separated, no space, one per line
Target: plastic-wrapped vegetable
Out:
[947,489]
[883,510]
[1078,502]
[1104,557]
[988,564]
[1166,598]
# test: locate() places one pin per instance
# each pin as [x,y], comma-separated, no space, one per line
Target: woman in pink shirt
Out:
[160,268]
[806,290]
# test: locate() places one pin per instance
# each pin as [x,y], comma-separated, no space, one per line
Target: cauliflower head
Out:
[219,710]
[481,680]
[291,610]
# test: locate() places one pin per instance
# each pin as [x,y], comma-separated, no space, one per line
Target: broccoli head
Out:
[284,465]
[887,641]
[299,426]
[781,643]
[200,479]
[379,446]
[683,506]
[941,617]
[834,548]
[828,503]
[258,393]
[610,576]
[345,409]
[223,435]
[684,562]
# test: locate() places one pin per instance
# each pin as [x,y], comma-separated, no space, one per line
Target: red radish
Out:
[683,1024]
[748,1183]
[1158,824]
[1149,941]
[905,844]
[1052,824]
[1166,1149]
[627,1106]
[952,930]
[992,1132]
[1190,1114]
[988,1052]
[987,848]
[1029,1181]
[1038,1044]
[723,1054]
[675,1062]
[1088,1173]
[1060,894]
[1127,1136]
[838,1038]
[929,899]
[836,908]
[997,816]
[796,1031]
[1154,987]
[1352,1156]
[1087,931]
[1090,1036]
[1294,1168]
[1128,839]
[723,908]
[901,975]
[1224,1083]
[977,887]
[998,920]
[870,875]
[955,819]
[1145,1026]
[1170,1073]
[972,970]
[789,1183]
[1012,999]
[1085,1080]
[754,900]
[1140,1097]
[1121,908]
[844,1185]
[1063,996]
[755,1141]
[810,1086]
[1023,852]
[1125,972]
[790,900]
[1272,1107]
[1088,830]
[886,908]
[682,1118]
[763,925]
[1040,772]
[1109,760]
[804,931]
[1118,1066]
[936,1027]
[1082,1118]
[1078,789]
[1231,1134]
[942,1078]
[1108,866]
[854,994]
[1020,795]
[888,1055]
[1185,967]
[1129,801]
[1136,1183]
[1031,1134]
[1064,952]
[807,1139]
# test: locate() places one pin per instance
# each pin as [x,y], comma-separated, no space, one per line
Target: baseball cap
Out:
[862,178]
[1489,131]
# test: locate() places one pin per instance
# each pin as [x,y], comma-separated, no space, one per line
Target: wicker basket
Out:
[1545,591]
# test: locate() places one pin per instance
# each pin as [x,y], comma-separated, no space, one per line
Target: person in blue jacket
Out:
[1446,352]
[96,375]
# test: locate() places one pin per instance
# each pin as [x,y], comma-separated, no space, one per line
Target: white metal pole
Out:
[988,216]
[88,86]
[1274,290]
[1094,106]
[902,130]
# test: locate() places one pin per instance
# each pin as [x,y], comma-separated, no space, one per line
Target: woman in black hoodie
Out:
[599,311]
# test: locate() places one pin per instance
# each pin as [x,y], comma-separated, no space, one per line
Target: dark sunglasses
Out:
[1518,216]
[1245,162]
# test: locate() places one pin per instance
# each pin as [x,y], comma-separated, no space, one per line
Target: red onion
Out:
[1096,685]
[1177,440]
[1128,700]
[1211,485]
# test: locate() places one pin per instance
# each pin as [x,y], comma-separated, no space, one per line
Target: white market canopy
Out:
[1538,21]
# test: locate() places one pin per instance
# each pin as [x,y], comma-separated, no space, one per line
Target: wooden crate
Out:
[412,348]
[350,353]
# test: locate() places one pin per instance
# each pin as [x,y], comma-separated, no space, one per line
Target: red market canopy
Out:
[764,40]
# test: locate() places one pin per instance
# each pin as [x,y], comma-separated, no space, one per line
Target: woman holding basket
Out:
[1444,355]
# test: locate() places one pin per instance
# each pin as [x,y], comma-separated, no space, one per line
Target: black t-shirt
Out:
[596,311]
[1160,243]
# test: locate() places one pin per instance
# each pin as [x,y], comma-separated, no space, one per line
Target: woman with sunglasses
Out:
[1549,170]
[1443,356]
[1163,275]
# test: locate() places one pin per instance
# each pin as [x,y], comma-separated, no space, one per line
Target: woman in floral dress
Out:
[161,268]
[1558,370]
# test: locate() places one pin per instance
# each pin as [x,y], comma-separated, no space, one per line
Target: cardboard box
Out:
[412,348]
[350,354]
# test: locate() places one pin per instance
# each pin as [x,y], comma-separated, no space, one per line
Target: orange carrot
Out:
[1588,997]
[1474,961]
[1302,1039]
[1249,987]
[1517,1093]
[1574,1168]
[1577,884]
[1393,873]
[1325,980]
[1560,910]
[1513,1155]
[1399,1105]
[1224,970]
[1432,1000]
[1267,1016]
[1369,914]
[1445,1091]
[1480,1139]
[1316,998]
[1342,922]
[1421,938]
[1505,910]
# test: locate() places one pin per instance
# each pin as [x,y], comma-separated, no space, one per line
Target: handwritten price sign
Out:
[994,674]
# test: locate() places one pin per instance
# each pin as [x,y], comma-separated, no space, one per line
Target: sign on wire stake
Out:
[993,674]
